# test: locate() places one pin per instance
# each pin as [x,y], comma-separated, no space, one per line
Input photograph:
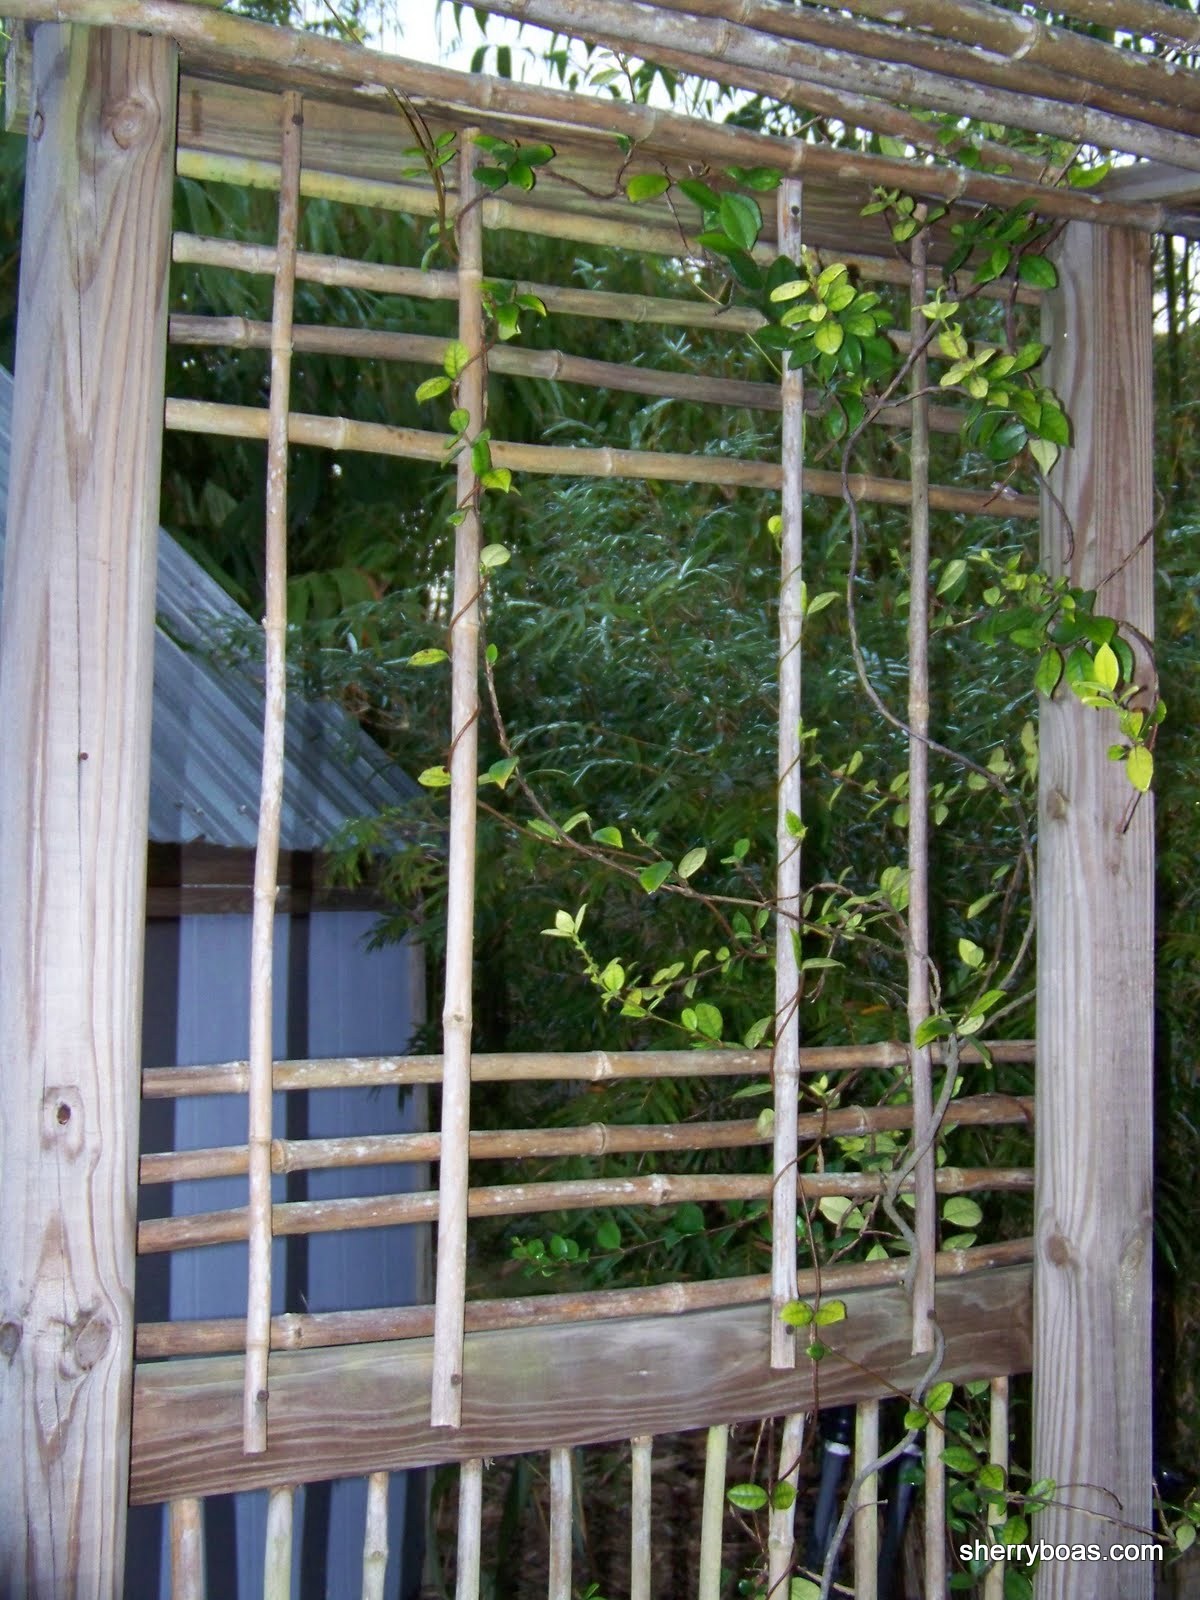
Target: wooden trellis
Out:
[278,1401]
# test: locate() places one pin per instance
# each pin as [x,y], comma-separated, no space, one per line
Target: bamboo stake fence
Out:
[866,1517]
[266,858]
[470,1530]
[993,1584]
[375,1538]
[187,1550]
[562,1496]
[782,1521]
[641,1450]
[713,1513]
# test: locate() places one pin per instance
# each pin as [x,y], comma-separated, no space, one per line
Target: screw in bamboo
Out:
[187,1549]
[917,927]
[866,1516]
[793,71]
[375,1538]
[993,1584]
[277,1560]
[266,857]
[578,461]
[463,763]
[470,1530]
[562,1493]
[541,1066]
[329,1329]
[935,1505]
[712,1514]
[781,1526]
[785,1063]
[641,1450]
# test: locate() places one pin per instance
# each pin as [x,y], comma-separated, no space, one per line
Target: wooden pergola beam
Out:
[76,667]
[341,1413]
[1095,1088]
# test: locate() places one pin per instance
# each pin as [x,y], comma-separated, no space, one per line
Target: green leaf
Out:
[1037,272]
[655,875]
[427,658]
[608,1235]
[797,1314]
[609,836]
[460,420]
[544,830]
[699,193]
[1140,768]
[962,1211]
[747,1496]
[434,778]
[1015,1531]
[829,1312]
[1049,671]
[741,219]
[938,1397]
[431,388]
[689,1219]
[709,1021]
[500,771]
[481,456]
[497,478]
[457,357]
[951,573]
[960,1459]
[828,337]
[992,1478]
[757,1032]
[783,1497]
[1106,669]
[564,924]
[804,1589]
[647,186]
[970,953]
[932,1028]
[692,862]
[493,555]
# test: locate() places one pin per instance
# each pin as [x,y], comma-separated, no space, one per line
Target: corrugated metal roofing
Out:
[207,730]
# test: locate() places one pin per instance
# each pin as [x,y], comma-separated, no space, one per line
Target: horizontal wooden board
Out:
[346,1412]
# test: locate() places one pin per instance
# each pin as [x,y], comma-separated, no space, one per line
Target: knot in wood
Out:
[11,1334]
[128,121]
[1056,806]
[1058,1250]
[91,1335]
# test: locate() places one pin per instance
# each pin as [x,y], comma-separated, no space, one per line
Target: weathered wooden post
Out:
[76,668]
[1095,956]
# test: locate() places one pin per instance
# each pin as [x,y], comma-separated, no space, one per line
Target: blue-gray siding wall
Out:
[333,996]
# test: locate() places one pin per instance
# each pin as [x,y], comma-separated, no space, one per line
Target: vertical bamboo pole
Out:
[187,1550]
[786,1064]
[639,1520]
[935,1506]
[782,1522]
[561,1491]
[470,1530]
[993,1584]
[925,1195]
[712,1515]
[866,1516]
[76,665]
[375,1537]
[1095,980]
[277,1562]
[266,856]
[463,762]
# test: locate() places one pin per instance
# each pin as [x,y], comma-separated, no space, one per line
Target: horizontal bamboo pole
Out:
[595,1139]
[997,48]
[553,365]
[337,433]
[224,44]
[785,69]
[328,1329]
[530,1199]
[1015,43]
[584,1066]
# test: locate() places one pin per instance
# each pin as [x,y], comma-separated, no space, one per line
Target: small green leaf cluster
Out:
[833,328]
[731,222]
[1077,648]
[544,1258]
[910,215]
[509,161]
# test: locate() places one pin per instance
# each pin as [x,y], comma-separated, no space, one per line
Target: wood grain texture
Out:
[342,1413]
[75,687]
[1095,958]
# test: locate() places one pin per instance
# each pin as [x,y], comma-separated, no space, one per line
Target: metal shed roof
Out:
[206,743]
